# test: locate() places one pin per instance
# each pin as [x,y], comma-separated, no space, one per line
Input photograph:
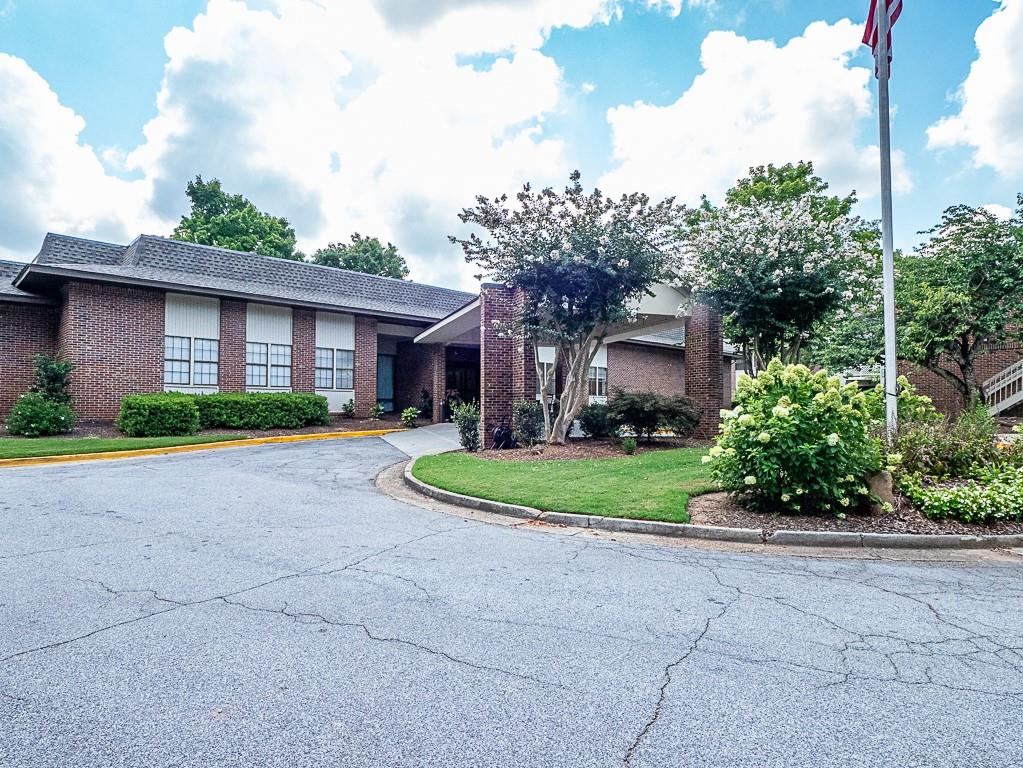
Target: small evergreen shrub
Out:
[641,412]
[796,441]
[467,418]
[527,422]
[158,415]
[681,415]
[52,377]
[629,446]
[596,421]
[34,415]
[409,417]
[377,412]
[348,409]
[260,410]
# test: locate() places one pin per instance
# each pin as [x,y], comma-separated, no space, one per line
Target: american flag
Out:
[870,34]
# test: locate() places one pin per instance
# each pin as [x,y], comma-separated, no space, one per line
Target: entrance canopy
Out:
[668,308]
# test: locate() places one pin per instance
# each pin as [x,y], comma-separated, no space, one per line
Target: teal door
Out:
[385,382]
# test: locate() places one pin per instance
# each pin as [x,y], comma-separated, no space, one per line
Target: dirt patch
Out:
[583,449]
[719,509]
[106,428]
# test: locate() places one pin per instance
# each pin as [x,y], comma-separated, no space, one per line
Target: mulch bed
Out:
[106,428]
[584,449]
[719,509]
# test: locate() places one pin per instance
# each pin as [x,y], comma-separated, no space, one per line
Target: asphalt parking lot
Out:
[271,606]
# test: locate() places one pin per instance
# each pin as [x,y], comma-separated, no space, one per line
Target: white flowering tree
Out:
[778,258]
[582,261]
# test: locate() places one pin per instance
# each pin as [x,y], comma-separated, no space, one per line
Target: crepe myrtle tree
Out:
[961,294]
[777,258]
[582,261]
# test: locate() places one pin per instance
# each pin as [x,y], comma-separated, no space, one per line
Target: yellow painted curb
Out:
[29,461]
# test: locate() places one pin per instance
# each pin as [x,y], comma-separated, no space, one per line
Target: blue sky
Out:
[364,116]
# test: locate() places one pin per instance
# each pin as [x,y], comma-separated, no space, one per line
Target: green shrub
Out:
[913,408]
[596,421]
[680,415]
[467,418]
[527,422]
[629,445]
[34,415]
[409,417]
[796,441]
[348,409]
[52,377]
[642,412]
[377,411]
[948,449]
[995,495]
[157,415]
[260,410]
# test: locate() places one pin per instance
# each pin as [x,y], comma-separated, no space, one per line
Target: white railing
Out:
[1004,389]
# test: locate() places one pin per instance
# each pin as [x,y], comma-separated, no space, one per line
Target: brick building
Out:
[159,314]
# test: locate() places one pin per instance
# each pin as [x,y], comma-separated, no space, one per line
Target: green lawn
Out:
[28,447]
[650,486]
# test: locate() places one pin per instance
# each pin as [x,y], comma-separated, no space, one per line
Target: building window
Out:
[176,359]
[345,362]
[548,372]
[598,381]
[256,362]
[280,365]
[335,368]
[188,361]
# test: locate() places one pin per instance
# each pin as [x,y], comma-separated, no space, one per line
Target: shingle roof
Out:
[151,259]
[8,271]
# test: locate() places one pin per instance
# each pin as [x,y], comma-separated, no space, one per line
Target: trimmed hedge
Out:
[261,410]
[157,415]
[175,413]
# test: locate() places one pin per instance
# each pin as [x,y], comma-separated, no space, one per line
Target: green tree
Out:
[961,294]
[232,221]
[777,259]
[364,254]
[582,262]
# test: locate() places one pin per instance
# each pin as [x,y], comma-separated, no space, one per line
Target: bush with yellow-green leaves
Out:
[796,442]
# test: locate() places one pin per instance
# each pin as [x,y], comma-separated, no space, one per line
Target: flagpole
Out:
[891,368]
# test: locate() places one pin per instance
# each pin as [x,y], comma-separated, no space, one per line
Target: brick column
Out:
[232,346]
[303,350]
[704,367]
[439,380]
[507,372]
[365,365]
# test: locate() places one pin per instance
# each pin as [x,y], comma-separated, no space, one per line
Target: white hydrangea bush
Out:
[796,442]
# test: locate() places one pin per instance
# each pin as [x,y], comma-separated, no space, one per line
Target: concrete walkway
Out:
[424,441]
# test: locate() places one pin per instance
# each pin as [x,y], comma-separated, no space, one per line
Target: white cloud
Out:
[755,102]
[991,98]
[1002,212]
[50,180]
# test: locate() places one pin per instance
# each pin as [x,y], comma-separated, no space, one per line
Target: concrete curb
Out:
[30,461]
[717,533]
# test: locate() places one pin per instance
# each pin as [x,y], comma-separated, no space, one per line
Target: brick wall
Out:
[232,346]
[303,350]
[705,367]
[638,368]
[365,364]
[413,372]
[25,331]
[945,396]
[438,380]
[114,336]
